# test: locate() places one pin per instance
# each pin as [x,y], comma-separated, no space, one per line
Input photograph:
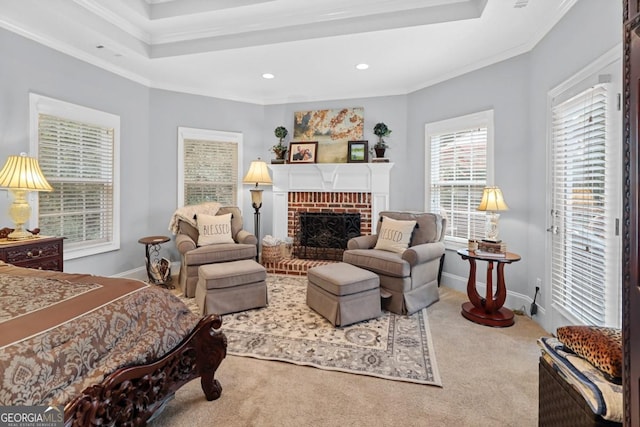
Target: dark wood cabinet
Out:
[44,253]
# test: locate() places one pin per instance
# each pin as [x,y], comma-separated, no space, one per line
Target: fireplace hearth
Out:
[324,235]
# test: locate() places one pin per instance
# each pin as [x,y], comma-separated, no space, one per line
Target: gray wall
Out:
[516,89]
[170,110]
[588,31]
[29,67]
[503,88]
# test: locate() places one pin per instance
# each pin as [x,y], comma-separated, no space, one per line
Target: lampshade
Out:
[23,173]
[258,174]
[492,200]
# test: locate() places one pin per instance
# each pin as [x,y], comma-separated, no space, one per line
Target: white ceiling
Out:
[221,48]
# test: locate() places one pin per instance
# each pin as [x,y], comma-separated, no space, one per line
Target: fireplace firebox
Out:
[324,235]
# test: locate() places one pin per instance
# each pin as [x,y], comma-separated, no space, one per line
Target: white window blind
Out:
[458,161]
[78,160]
[210,172]
[584,245]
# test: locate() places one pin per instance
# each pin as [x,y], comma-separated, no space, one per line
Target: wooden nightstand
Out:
[43,253]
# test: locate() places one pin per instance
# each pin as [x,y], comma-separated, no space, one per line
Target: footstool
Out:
[343,293]
[228,287]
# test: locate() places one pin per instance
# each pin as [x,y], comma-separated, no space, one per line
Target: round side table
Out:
[488,310]
[151,255]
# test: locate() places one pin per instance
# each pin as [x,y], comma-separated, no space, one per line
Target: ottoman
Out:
[227,287]
[343,293]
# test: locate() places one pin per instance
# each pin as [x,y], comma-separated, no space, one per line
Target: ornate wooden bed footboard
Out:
[131,395]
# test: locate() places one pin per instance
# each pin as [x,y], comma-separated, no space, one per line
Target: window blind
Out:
[78,160]
[584,241]
[210,172]
[458,175]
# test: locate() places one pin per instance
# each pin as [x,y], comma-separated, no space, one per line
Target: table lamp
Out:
[258,174]
[19,175]
[492,202]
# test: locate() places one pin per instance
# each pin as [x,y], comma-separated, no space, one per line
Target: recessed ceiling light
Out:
[268,76]
[362,66]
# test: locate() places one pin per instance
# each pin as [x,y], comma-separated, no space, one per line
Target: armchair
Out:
[193,256]
[411,277]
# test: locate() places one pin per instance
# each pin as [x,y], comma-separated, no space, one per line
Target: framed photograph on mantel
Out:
[303,152]
[358,152]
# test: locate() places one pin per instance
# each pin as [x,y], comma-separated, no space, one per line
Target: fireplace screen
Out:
[324,235]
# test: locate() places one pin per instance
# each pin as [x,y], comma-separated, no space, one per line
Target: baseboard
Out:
[140,273]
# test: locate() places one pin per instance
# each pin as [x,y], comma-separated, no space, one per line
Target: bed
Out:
[108,350]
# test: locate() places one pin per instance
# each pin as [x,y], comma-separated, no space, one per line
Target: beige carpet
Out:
[489,377]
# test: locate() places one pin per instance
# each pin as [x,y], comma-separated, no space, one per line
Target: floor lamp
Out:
[258,174]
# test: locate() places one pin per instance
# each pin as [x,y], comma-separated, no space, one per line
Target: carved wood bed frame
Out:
[131,395]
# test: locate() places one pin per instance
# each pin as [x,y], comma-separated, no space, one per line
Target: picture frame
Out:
[358,152]
[303,152]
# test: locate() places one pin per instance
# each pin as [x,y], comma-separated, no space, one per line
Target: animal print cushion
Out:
[602,347]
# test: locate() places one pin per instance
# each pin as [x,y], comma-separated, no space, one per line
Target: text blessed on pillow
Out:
[214,229]
[395,235]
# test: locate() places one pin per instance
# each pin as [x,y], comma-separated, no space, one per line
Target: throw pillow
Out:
[600,346]
[394,235]
[214,229]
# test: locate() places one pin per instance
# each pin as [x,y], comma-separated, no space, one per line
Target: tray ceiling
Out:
[221,48]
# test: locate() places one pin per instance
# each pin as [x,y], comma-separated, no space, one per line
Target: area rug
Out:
[392,346]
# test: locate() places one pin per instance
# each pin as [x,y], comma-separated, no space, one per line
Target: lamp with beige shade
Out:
[19,175]
[259,174]
[492,202]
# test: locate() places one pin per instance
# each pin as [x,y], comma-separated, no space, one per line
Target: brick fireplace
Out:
[343,202]
[322,187]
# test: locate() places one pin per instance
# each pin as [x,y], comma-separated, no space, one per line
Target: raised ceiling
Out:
[221,48]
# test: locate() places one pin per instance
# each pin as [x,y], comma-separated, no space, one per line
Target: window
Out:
[585,199]
[208,166]
[459,152]
[78,152]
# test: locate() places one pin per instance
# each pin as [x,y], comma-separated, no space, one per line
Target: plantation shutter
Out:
[210,172]
[458,175]
[78,161]
[584,244]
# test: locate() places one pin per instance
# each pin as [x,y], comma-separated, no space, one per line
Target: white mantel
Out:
[371,178]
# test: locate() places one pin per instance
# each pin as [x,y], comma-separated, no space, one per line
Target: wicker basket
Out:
[271,253]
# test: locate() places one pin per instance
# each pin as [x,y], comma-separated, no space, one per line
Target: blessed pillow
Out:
[600,346]
[394,235]
[214,229]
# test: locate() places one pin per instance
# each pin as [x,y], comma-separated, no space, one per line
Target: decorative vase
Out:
[280,158]
[379,152]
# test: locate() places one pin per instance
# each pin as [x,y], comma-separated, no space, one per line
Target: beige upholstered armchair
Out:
[193,256]
[410,277]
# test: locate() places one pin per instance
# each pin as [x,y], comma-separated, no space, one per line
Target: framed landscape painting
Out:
[358,152]
[332,129]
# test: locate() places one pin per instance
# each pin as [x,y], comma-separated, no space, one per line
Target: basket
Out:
[271,253]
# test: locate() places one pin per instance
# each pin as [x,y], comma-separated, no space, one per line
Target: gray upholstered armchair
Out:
[411,277]
[193,256]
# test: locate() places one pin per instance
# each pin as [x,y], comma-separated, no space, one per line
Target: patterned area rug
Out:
[392,346]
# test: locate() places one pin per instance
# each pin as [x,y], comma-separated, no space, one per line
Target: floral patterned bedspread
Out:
[56,340]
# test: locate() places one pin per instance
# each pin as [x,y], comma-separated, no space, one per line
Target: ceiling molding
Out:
[172,9]
[198,42]
[114,19]
[320,42]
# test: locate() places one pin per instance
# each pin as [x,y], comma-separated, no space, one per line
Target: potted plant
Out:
[381,130]
[280,150]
